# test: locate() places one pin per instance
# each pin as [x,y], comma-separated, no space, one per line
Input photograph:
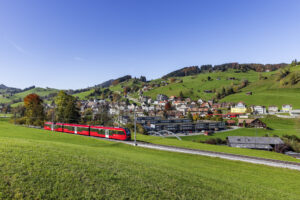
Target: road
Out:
[248,159]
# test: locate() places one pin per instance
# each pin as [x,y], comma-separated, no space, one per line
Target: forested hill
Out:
[193,70]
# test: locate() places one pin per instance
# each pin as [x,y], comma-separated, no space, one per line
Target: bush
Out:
[21,120]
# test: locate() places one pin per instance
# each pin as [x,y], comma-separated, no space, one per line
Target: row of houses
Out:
[262,110]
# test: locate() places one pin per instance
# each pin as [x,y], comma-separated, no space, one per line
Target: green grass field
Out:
[268,92]
[194,86]
[39,91]
[279,127]
[83,95]
[37,164]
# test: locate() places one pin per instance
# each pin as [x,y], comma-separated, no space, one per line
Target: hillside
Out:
[197,86]
[269,92]
[18,97]
[38,164]
[6,89]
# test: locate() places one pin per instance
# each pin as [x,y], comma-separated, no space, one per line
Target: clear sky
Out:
[74,44]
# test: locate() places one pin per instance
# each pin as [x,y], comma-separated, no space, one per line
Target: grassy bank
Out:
[37,164]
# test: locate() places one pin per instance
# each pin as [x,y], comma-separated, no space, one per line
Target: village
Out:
[175,110]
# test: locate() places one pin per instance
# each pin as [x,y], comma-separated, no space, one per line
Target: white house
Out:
[200,101]
[273,109]
[287,108]
[261,110]
[295,113]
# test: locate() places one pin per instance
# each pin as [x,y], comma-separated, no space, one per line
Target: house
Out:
[272,109]
[161,97]
[188,100]
[230,122]
[124,119]
[295,113]
[172,98]
[260,110]
[238,108]
[205,105]
[200,101]
[264,143]
[251,123]
[286,108]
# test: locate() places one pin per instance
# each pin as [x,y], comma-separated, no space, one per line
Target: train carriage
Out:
[96,131]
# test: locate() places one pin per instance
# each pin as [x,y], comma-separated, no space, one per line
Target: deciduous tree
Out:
[34,110]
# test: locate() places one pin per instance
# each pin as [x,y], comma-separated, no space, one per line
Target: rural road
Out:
[248,159]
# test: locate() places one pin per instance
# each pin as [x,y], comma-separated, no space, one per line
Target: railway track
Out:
[248,159]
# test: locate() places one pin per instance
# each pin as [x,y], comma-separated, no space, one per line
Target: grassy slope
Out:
[39,91]
[83,95]
[279,127]
[197,84]
[269,92]
[216,148]
[38,164]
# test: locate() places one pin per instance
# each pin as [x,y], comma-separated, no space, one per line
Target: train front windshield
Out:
[127,131]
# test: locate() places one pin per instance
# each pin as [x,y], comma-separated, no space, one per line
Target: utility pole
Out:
[53,116]
[135,144]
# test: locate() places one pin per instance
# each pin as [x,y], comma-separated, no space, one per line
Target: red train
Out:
[96,131]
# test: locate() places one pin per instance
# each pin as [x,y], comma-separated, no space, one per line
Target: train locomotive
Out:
[95,131]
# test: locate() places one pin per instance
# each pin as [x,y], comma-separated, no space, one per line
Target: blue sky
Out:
[75,44]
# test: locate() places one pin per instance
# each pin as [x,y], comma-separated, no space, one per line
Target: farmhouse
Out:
[161,97]
[238,108]
[287,108]
[273,109]
[251,123]
[264,143]
[260,110]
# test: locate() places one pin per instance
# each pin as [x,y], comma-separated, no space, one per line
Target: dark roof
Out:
[253,142]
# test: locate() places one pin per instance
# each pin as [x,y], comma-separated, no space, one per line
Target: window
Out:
[80,129]
[118,132]
[99,131]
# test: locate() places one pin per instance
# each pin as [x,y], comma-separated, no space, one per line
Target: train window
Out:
[57,126]
[99,131]
[80,129]
[69,128]
[118,132]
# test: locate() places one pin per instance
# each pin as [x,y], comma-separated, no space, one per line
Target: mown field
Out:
[83,95]
[194,86]
[39,91]
[37,164]
[268,92]
[278,127]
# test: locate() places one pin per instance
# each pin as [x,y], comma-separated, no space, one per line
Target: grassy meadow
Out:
[194,86]
[39,91]
[278,127]
[269,92]
[38,164]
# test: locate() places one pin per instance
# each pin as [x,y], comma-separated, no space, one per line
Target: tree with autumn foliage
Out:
[34,110]
[168,106]
[66,110]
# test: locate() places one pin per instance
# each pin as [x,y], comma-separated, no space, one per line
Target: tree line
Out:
[65,108]
[193,70]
